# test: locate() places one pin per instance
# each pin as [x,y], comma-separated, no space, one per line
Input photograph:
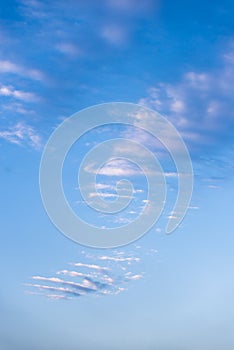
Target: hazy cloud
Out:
[200,104]
[14,68]
[20,134]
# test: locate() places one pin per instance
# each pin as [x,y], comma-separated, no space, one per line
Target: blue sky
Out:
[163,291]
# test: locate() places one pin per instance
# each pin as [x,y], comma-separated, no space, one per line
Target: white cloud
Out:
[85,286]
[177,106]
[133,277]
[114,34]
[56,296]
[72,273]
[13,68]
[119,259]
[94,279]
[213,186]
[195,105]
[68,49]
[21,133]
[91,266]
[10,91]
[54,289]
[17,107]
[116,167]
[200,81]
[108,195]
[131,7]
[101,186]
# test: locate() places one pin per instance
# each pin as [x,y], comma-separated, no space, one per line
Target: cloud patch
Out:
[10,91]
[13,68]
[21,134]
[200,104]
[109,275]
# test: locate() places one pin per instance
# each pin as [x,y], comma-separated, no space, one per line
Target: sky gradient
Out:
[162,292]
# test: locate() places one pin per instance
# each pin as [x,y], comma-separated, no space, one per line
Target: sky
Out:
[161,291]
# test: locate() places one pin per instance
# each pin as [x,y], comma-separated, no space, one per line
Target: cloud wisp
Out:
[199,103]
[9,67]
[20,134]
[109,275]
[10,91]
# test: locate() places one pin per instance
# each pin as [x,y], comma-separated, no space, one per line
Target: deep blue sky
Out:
[161,292]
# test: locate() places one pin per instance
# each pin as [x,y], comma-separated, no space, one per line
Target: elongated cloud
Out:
[91,266]
[20,134]
[119,259]
[14,68]
[88,278]
[10,91]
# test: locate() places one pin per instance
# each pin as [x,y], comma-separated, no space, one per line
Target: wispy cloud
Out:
[68,49]
[130,7]
[114,34]
[10,91]
[119,258]
[14,68]
[117,167]
[91,266]
[198,103]
[20,134]
[109,277]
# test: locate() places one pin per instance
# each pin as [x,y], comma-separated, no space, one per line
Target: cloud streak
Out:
[88,278]
[20,134]
[10,91]
[13,68]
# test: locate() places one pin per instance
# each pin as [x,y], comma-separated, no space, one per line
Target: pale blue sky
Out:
[162,292]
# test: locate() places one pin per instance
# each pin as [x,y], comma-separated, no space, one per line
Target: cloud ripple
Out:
[109,275]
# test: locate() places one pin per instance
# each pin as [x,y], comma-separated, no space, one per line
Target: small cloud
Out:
[10,91]
[13,68]
[68,49]
[131,7]
[213,187]
[9,67]
[119,259]
[178,106]
[117,167]
[133,277]
[22,133]
[91,266]
[114,34]
[17,107]
[172,217]
[200,81]
[72,273]
[64,291]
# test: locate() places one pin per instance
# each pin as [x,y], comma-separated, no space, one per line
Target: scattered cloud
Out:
[13,68]
[130,7]
[20,134]
[110,277]
[17,107]
[115,167]
[10,91]
[69,49]
[107,195]
[114,34]
[199,102]
[120,259]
